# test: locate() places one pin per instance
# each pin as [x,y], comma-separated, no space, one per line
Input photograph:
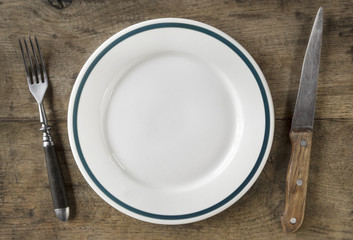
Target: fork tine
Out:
[39,74]
[25,62]
[34,78]
[41,61]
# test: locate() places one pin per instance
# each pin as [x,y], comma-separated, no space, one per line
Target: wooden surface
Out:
[274,32]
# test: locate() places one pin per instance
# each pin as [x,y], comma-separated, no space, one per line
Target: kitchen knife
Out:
[301,132]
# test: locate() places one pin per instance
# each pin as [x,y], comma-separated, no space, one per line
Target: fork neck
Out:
[42,115]
[45,128]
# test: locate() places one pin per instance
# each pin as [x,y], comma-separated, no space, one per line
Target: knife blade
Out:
[301,132]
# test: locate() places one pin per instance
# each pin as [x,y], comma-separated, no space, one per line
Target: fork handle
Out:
[56,182]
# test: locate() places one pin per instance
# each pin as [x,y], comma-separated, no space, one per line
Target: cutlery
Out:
[38,83]
[301,132]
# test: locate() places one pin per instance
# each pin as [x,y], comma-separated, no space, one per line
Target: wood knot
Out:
[60,4]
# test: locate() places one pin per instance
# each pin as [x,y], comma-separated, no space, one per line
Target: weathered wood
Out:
[297,181]
[60,4]
[27,210]
[274,32]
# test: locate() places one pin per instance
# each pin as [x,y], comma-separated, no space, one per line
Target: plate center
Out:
[170,121]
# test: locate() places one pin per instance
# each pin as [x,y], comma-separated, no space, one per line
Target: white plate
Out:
[170,121]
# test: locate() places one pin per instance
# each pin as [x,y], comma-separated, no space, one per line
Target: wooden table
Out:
[274,32]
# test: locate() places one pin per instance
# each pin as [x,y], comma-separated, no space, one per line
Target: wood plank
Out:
[27,211]
[275,33]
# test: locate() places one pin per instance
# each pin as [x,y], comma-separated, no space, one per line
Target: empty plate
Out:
[170,121]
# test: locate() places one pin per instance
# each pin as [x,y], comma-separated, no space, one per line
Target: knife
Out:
[301,132]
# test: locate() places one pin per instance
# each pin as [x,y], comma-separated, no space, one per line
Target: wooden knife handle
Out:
[297,181]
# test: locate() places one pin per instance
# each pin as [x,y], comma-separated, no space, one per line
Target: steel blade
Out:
[303,118]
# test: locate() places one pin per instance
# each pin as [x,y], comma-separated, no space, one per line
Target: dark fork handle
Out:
[56,182]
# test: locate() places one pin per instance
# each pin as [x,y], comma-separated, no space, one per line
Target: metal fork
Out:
[38,83]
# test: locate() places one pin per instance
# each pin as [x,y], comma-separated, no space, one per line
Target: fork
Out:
[37,80]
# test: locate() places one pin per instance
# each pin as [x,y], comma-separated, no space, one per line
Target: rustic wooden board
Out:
[27,211]
[274,32]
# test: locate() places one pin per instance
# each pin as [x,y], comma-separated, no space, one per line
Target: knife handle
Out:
[297,181]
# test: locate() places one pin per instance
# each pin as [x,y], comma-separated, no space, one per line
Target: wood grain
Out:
[297,181]
[274,32]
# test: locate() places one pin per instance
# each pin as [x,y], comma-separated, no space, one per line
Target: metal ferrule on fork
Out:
[45,128]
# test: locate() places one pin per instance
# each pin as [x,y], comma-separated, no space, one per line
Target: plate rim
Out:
[157,24]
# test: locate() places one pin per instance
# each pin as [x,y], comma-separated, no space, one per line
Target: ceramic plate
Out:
[170,121]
